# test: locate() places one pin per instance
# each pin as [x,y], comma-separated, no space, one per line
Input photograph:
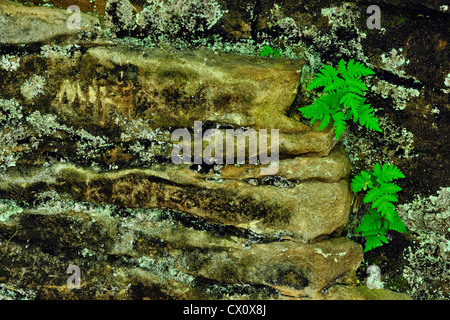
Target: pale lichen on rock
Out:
[9,62]
[33,86]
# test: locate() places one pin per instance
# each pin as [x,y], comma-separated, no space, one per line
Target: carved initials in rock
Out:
[98,102]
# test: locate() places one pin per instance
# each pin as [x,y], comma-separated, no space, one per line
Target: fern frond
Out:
[351,100]
[317,110]
[325,121]
[382,194]
[342,67]
[355,83]
[329,71]
[324,78]
[357,69]
[377,169]
[383,198]
[310,111]
[372,124]
[348,115]
[387,173]
[361,181]
[389,188]
[397,225]
[374,241]
[336,84]
[347,92]
[387,209]
[373,194]
[358,184]
[355,90]
[339,124]
[370,222]
[319,80]
[367,118]
[373,230]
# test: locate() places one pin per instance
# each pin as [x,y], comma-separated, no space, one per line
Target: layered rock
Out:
[87,176]
[156,250]
[306,209]
[28,25]
[106,88]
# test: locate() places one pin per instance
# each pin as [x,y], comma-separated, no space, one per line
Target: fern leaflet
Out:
[381,192]
[344,93]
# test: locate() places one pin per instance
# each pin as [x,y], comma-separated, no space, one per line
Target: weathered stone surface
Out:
[308,210]
[437,5]
[85,138]
[85,5]
[340,292]
[331,168]
[105,88]
[26,25]
[156,251]
[171,88]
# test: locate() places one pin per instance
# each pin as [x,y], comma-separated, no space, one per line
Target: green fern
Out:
[373,230]
[343,99]
[267,51]
[381,192]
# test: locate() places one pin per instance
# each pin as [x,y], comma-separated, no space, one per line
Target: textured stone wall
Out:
[86,173]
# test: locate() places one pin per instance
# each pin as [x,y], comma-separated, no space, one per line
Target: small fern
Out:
[381,192]
[343,98]
[267,51]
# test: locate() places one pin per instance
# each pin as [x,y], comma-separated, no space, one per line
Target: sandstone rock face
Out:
[274,206]
[27,25]
[155,250]
[340,292]
[105,88]
[87,178]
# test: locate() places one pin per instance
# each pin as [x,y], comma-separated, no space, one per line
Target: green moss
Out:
[397,284]
[393,22]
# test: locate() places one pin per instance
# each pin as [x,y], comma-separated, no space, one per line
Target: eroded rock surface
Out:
[28,25]
[87,179]
[158,251]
